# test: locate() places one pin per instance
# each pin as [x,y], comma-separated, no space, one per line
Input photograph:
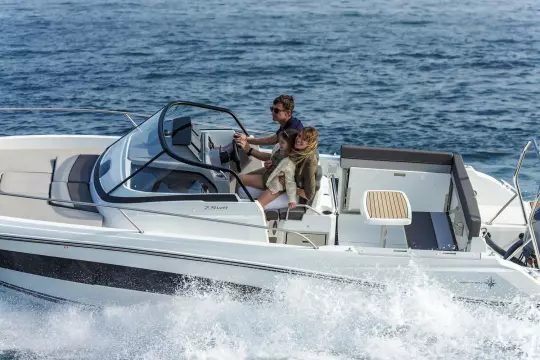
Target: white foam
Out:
[412,319]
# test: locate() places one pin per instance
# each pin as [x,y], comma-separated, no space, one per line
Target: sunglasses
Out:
[276,110]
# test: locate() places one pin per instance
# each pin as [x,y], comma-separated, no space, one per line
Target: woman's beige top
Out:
[287,168]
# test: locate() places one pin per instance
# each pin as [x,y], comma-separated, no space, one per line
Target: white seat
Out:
[386,208]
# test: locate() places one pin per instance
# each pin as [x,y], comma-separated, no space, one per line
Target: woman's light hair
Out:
[311,136]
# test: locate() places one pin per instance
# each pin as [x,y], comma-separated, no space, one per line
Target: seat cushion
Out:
[271,215]
[73,192]
[62,167]
[294,214]
[26,183]
[41,210]
[74,168]
[39,161]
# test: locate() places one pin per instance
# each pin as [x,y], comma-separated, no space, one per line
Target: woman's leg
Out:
[253,180]
[253,192]
[267,197]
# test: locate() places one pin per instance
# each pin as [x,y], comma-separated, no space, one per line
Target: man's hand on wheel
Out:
[240,137]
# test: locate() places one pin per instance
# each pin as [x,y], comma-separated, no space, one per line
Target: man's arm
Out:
[266,140]
[263,156]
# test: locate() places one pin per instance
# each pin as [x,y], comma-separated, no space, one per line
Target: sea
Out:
[446,75]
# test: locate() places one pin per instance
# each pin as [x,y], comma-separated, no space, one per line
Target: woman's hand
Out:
[268,164]
[292,205]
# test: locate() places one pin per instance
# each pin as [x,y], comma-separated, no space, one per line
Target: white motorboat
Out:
[102,219]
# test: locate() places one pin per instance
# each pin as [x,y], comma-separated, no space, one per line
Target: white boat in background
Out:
[119,220]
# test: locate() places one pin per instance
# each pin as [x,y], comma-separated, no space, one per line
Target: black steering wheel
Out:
[235,156]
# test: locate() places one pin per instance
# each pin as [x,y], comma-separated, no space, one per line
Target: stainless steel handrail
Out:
[502,209]
[117,112]
[515,178]
[161,213]
[335,192]
[78,110]
[529,220]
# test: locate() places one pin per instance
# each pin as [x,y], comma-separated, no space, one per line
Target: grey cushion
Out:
[82,168]
[271,215]
[396,155]
[466,196]
[63,167]
[59,190]
[73,192]
[81,192]
[430,231]
[294,214]
[74,168]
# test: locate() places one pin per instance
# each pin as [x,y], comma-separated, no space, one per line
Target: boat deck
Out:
[51,173]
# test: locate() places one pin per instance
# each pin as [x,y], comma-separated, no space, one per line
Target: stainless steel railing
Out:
[127,114]
[193,217]
[530,218]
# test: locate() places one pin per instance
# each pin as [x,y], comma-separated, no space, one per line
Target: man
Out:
[282,113]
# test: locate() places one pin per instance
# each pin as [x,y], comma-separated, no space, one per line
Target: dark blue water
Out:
[422,74]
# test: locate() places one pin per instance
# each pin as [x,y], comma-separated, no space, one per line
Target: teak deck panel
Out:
[386,205]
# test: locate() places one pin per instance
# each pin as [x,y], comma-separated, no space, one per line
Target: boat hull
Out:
[102,273]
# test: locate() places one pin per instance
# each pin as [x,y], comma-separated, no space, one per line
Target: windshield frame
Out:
[226,197]
[171,153]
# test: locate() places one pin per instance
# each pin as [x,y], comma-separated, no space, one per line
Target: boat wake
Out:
[411,318]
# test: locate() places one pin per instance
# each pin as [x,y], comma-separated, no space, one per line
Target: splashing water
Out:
[412,319]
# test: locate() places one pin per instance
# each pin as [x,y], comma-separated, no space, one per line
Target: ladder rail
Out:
[528,219]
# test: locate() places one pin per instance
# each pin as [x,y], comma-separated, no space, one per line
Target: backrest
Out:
[318,177]
[466,196]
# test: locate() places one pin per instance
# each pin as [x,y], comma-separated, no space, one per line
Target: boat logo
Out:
[490,282]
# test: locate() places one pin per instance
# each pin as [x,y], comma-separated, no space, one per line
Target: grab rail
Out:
[529,220]
[160,213]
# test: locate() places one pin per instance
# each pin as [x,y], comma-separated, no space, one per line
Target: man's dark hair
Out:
[286,100]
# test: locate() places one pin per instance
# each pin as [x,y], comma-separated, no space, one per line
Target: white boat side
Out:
[76,228]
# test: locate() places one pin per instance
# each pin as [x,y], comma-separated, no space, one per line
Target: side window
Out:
[159,180]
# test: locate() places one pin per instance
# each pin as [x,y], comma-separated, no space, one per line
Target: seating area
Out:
[57,174]
[296,213]
[406,199]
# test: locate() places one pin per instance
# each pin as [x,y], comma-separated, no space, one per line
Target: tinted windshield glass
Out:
[141,144]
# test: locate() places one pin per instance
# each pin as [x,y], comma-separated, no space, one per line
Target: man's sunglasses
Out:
[275,110]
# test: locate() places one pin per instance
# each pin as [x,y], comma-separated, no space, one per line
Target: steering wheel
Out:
[235,156]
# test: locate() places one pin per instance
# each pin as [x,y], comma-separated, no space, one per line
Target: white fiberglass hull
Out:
[102,271]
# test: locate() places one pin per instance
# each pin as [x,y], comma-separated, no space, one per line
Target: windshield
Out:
[166,154]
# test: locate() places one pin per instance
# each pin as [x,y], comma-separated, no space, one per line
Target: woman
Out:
[304,155]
